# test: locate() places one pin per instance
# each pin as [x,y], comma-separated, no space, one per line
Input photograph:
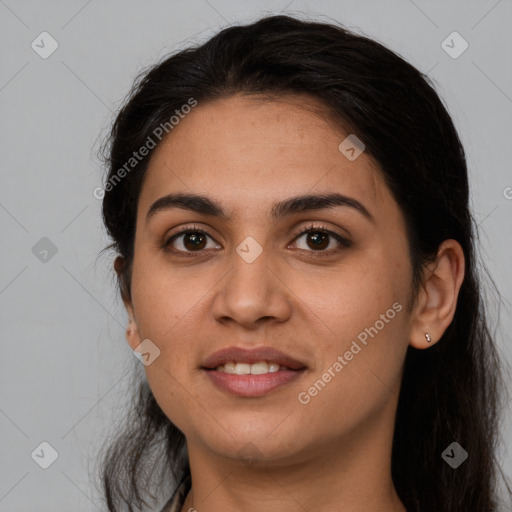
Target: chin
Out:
[254,453]
[256,444]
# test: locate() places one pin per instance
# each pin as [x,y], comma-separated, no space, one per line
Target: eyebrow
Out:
[297,204]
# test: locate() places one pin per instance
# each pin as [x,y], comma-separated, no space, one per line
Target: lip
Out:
[255,355]
[252,385]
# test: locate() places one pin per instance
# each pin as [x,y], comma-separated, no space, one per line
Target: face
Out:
[333,299]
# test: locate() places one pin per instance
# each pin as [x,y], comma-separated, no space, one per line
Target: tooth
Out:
[242,369]
[230,367]
[259,368]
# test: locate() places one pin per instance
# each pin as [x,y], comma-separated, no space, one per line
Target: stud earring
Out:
[427,335]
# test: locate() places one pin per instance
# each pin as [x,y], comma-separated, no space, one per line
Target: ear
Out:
[132,331]
[437,297]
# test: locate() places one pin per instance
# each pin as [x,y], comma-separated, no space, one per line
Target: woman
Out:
[289,205]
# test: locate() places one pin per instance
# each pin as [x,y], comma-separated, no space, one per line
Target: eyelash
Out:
[312,228]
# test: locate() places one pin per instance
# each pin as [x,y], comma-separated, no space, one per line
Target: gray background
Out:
[65,363]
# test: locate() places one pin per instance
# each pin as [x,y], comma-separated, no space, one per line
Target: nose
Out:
[252,293]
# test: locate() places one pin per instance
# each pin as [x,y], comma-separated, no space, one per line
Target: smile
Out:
[260,368]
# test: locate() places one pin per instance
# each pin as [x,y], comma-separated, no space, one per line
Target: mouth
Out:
[260,368]
[251,373]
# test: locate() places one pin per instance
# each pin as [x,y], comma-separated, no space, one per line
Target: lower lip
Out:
[252,385]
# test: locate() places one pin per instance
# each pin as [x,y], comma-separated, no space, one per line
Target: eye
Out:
[319,238]
[191,239]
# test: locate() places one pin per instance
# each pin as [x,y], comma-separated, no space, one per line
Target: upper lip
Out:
[255,355]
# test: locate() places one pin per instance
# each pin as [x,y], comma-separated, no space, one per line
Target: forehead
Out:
[254,151]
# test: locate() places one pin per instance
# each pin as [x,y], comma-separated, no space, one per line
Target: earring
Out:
[427,335]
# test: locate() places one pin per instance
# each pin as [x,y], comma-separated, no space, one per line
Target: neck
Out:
[353,474]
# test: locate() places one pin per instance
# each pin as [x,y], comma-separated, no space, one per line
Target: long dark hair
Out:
[451,391]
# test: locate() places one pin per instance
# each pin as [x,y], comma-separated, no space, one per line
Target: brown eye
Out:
[193,240]
[188,240]
[318,240]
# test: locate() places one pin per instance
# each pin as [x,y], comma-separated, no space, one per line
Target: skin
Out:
[273,452]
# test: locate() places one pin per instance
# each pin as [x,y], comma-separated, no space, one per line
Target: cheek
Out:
[163,298]
[172,375]
[346,300]
[361,372]
[361,357]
